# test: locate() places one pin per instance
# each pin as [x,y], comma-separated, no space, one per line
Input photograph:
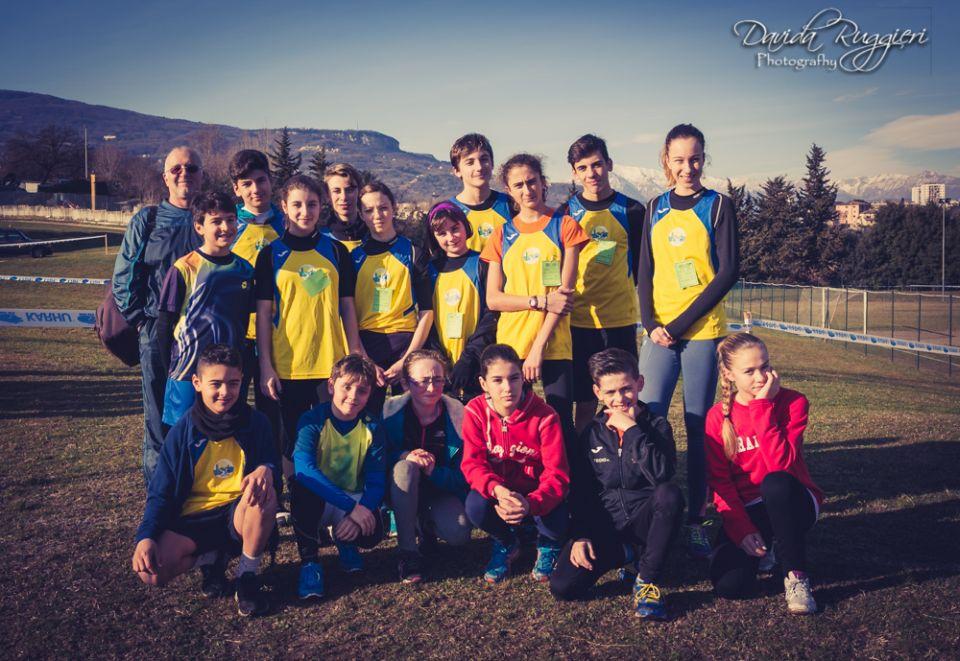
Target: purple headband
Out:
[447,207]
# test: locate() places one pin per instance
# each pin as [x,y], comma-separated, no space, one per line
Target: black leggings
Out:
[557,378]
[783,519]
[297,396]
[652,527]
[251,375]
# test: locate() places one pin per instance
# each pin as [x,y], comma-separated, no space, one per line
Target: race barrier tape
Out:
[43,243]
[53,280]
[47,318]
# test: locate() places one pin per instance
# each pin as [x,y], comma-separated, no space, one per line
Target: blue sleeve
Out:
[374,471]
[305,465]
[164,497]
[129,283]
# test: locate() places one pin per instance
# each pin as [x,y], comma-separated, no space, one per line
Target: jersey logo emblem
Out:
[305,271]
[676,237]
[664,210]
[452,297]
[223,469]
[258,246]
[595,450]
[531,255]
[381,277]
[485,230]
[599,233]
[243,285]
[578,214]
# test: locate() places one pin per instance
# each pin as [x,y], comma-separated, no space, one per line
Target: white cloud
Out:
[863,161]
[921,132]
[853,96]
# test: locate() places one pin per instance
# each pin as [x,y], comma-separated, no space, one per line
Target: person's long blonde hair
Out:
[728,347]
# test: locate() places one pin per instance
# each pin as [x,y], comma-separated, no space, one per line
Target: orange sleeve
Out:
[493,246]
[571,233]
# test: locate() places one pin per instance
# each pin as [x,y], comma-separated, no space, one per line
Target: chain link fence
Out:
[906,315]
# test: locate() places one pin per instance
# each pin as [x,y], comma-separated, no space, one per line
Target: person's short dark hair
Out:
[439,212]
[377,186]
[586,145]
[496,352]
[245,162]
[465,144]
[612,361]
[220,354]
[357,366]
[211,202]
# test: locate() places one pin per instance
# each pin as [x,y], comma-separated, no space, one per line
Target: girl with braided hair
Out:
[755,467]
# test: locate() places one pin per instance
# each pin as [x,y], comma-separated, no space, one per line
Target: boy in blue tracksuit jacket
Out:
[339,480]
[212,490]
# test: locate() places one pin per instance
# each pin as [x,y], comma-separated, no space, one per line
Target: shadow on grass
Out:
[54,396]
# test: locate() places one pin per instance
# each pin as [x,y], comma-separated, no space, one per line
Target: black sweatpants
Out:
[557,378]
[783,519]
[652,528]
[297,396]
[251,376]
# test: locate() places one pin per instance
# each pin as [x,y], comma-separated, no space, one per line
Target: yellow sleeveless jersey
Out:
[251,239]
[527,258]
[684,260]
[606,290]
[384,298]
[217,475]
[457,304]
[340,456]
[308,336]
[485,217]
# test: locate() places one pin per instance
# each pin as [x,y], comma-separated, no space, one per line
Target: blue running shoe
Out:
[647,602]
[547,552]
[500,561]
[698,542]
[350,559]
[628,572]
[310,585]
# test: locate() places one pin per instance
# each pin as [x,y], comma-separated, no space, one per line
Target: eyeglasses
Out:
[430,381]
[189,167]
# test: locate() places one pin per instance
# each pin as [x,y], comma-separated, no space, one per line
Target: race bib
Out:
[686,274]
[316,282]
[454,325]
[605,252]
[382,299]
[550,273]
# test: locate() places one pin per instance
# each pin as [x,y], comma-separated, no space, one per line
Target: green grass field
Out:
[883,443]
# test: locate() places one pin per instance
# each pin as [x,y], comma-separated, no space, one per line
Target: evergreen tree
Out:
[770,239]
[750,234]
[285,164]
[572,189]
[318,164]
[818,242]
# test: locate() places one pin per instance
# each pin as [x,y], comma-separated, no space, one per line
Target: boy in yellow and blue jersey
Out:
[343,224]
[212,492]
[605,309]
[339,462]
[206,299]
[472,159]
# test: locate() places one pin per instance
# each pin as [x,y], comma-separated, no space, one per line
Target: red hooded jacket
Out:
[523,452]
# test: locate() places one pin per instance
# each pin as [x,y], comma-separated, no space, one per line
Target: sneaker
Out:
[310,584]
[350,559]
[283,516]
[627,574]
[546,561]
[799,595]
[250,597]
[767,563]
[500,561]
[647,603]
[698,542]
[410,567]
[213,578]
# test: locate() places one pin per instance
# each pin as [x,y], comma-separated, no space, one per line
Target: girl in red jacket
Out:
[761,486]
[514,462]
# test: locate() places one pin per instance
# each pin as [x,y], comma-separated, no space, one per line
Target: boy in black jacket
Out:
[621,497]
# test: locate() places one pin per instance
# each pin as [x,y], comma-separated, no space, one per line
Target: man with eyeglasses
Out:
[155,238]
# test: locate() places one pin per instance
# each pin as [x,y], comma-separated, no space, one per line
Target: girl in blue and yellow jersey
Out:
[463,323]
[304,288]
[688,262]
[533,269]
[343,224]
[394,295]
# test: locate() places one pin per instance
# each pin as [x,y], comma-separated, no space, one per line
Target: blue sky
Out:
[532,78]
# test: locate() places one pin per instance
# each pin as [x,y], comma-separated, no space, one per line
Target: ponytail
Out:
[729,346]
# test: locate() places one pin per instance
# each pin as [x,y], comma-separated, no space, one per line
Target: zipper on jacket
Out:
[623,505]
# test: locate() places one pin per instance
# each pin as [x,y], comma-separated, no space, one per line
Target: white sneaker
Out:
[799,595]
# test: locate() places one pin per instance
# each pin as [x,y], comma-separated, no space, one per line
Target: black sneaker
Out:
[250,598]
[213,579]
[410,567]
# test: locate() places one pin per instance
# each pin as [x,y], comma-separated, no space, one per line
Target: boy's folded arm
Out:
[309,474]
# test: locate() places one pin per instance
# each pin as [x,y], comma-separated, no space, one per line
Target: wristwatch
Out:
[532,302]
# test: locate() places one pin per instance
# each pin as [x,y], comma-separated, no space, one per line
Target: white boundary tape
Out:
[42,243]
[53,280]
[47,318]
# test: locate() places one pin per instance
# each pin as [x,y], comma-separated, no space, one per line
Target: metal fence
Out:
[905,315]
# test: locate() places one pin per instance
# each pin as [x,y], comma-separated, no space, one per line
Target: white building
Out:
[926,193]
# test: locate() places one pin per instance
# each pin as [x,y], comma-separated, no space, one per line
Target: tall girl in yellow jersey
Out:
[394,296]
[533,270]
[688,262]
[463,324]
[304,286]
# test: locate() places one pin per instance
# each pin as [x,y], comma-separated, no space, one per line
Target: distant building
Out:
[108,138]
[30,186]
[926,193]
[855,214]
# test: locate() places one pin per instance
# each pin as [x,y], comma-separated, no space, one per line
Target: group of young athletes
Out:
[324,318]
